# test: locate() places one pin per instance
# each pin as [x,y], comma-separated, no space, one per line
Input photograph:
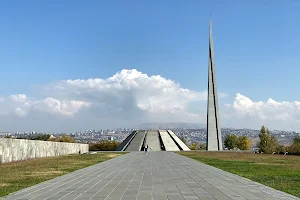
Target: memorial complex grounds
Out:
[22,174]
[281,172]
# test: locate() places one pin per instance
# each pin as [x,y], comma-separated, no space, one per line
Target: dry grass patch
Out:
[47,173]
[112,155]
[281,172]
[18,175]
[4,184]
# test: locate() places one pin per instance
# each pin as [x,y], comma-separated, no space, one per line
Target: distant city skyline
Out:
[190,135]
[68,66]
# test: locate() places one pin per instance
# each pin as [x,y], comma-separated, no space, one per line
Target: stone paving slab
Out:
[156,176]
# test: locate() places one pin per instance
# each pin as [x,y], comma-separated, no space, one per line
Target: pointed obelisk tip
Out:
[210,22]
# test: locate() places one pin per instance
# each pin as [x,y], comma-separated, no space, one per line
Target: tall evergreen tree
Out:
[267,143]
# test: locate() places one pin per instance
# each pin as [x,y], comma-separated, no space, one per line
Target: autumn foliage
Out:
[235,142]
[104,145]
[63,138]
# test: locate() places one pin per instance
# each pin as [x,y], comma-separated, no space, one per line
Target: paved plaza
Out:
[157,175]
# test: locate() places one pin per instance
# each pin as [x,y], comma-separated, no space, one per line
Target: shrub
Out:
[233,141]
[294,149]
[104,145]
[197,146]
[64,138]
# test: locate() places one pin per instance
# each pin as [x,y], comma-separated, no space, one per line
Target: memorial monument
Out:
[214,137]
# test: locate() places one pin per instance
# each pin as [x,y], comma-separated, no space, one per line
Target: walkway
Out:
[157,175]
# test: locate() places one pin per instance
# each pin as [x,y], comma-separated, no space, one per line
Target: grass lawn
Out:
[276,171]
[18,175]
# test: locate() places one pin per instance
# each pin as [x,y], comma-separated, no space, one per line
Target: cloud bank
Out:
[276,115]
[127,99]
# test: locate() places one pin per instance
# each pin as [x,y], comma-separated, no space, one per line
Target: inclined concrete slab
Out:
[179,142]
[169,144]
[137,142]
[156,175]
[152,141]
[124,144]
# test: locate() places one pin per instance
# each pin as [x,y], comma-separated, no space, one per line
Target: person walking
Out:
[146,148]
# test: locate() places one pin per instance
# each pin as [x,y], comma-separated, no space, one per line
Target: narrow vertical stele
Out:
[214,137]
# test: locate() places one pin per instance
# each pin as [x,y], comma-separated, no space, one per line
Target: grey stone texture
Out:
[178,141]
[156,175]
[126,142]
[137,142]
[21,149]
[152,141]
[169,143]
[214,137]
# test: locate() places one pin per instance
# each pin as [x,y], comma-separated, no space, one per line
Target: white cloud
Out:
[18,98]
[269,109]
[61,107]
[126,99]
[129,98]
[21,106]
[130,92]
[277,115]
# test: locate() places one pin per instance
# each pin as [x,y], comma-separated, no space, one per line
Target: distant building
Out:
[111,138]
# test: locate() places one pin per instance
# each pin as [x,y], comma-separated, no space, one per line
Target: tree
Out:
[295,146]
[281,149]
[294,149]
[274,144]
[296,139]
[202,146]
[231,141]
[44,137]
[104,145]
[265,140]
[243,143]
[197,146]
[267,144]
[193,146]
[64,138]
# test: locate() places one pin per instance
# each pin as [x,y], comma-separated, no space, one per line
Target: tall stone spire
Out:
[214,137]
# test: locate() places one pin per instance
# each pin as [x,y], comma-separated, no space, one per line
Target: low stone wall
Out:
[21,149]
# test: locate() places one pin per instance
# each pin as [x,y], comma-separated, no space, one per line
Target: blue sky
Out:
[256,43]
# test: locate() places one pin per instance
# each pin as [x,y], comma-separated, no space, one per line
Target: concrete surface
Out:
[214,137]
[137,142]
[126,142]
[152,141]
[156,175]
[179,142]
[21,149]
[169,144]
